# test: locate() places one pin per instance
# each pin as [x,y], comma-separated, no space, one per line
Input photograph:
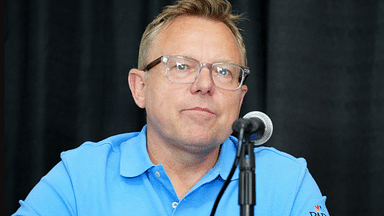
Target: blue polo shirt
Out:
[116,177]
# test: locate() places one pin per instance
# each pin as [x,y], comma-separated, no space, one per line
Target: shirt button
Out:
[157,174]
[174,204]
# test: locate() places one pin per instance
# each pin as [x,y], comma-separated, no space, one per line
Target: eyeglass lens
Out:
[186,70]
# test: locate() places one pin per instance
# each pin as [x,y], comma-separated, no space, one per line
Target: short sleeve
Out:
[53,195]
[309,200]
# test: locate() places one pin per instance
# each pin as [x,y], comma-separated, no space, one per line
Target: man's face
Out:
[198,115]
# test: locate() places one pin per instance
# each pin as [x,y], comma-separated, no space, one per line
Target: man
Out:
[190,81]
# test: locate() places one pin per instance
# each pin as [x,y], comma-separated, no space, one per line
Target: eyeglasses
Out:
[180,69]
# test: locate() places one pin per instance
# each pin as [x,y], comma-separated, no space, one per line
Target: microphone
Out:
[256,123]
[259,126]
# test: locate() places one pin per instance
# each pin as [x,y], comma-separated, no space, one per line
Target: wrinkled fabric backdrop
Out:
[317,69]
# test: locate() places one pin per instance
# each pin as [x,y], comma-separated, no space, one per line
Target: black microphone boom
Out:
[254,129]
[251,125]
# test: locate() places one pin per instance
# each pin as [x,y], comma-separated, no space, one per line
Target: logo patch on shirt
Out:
[319,211]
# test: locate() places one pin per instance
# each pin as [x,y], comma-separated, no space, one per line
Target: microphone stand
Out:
[247,184]
[251,132]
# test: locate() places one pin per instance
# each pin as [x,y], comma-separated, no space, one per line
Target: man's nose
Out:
[203,83]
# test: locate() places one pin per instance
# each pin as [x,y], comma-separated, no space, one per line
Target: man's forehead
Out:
[193,36]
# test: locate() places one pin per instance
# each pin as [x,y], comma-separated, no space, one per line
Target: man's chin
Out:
[200,142]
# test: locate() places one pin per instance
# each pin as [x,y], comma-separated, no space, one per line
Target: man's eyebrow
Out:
[221,60]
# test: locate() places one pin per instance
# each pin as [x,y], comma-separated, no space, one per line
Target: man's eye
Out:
[223,71]
[181,66]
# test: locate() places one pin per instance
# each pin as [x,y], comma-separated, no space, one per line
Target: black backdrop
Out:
[317,70]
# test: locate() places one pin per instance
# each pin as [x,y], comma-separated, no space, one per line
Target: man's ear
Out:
[244,90]
[136,82]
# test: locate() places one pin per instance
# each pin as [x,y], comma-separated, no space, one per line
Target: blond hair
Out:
[220,10]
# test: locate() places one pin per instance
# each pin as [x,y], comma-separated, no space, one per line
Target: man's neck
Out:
[184,168]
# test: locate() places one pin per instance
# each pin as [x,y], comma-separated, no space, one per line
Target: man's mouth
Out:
[202,109]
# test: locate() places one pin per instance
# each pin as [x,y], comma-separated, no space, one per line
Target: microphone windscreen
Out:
[268,126]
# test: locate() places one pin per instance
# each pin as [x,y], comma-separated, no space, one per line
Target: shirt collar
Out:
[226,158]
[135,159]
[134,156]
